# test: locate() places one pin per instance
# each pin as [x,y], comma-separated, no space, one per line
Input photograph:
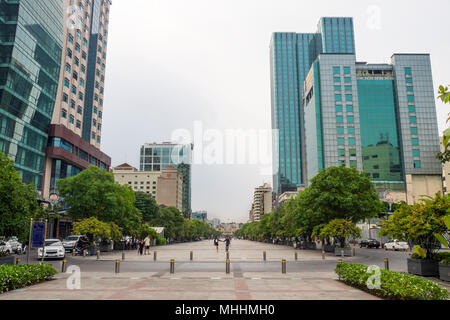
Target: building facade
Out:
[31,41]
[262,202]
[291,57]
[157,156]
[377,118]
[139,181]
[170,188]
[75,131]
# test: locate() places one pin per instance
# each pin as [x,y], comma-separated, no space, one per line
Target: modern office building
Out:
[31,41]
[379,118]
[262,202]
[200,216]
[157,156]
[291,56]
[76,126]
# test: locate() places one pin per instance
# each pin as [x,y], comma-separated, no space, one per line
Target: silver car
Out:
[70,242]
[53,249]
[5,247]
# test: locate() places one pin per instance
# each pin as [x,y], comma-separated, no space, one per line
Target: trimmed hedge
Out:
[394,285]
[19,276]
[161,241]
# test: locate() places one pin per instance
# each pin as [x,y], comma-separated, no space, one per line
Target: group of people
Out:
[144,244]
[227,243]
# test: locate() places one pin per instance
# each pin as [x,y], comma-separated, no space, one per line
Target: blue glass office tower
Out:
[30,59]
[292,55]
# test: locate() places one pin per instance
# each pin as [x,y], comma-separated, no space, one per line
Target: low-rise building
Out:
[262,202]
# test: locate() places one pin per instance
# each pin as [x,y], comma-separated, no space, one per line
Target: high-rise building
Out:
[31,41]
[262,202]
[76,126]
[170,188]
[379,118]
[292,55]
[157,156]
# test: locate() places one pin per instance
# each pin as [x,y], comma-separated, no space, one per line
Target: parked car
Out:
[5,247]
[396,245]
[70,242]
[16,246]
[53,249]
[370,243]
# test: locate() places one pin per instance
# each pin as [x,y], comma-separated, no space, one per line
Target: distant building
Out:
[285,196]
[200,216]
[262,202]
[170,188]
[215,222]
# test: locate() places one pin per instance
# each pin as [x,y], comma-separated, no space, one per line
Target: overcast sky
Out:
[171,63]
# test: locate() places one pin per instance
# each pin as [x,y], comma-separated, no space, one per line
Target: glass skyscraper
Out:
[157,156]
[30,59]
[292,55]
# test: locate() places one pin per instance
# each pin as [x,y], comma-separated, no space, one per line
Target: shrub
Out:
[161,241]
[394,285]
[19,276]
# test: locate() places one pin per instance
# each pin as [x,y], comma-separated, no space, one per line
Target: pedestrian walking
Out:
[141,247]
[216,243]
[227,243]
[147,245]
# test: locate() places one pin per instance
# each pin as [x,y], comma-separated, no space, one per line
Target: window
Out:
[80,110]
[341,163]
[69,53]
[408,80]
[95,109]
[68,68]
[93,135]
[410,88]
[347,70]
[71,119]
[338,108]
[340,130]
[77,48]
[77,61]
[100,114]
[80,96]
[349,108]
[348,88]
[338,97]
[341,152]
[350,119]
[78,34]
[64,113]
[348,97]
[417,164]
[336,70]
[66,83]
[411,98]
[85,42]
[84,55]
[74,90]
[415,141]
[351,130]
[78,125]
[352,152]
[339,119]
[347,80]
[75,75]
[99,126]
[416,153]
[83,68]
[337,80]
[70,38]
[72,104]
[65,97]
[408,71]
[341,142]
[337,88]
[94,123]
[351,141]
[412,119]
[353,164]
[82,82]
[412,108]
[99,139]
[413,130]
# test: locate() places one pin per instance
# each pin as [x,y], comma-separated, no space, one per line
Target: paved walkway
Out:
[200,285]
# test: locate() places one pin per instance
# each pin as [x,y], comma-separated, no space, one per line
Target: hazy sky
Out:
[171,63]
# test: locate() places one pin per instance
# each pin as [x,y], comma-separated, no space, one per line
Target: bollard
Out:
[227,266]
[283,266]
[98,255]
[84,253]
[123,256]
[342,253]
[64,266]
[296,255]
[340,261]
[264,255]
[192,255]
[18,261]
[117,269]
[386,263]
[172,266]
[154,255]
[323,255]
[228,255]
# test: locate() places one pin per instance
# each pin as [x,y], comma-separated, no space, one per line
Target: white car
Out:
[396,245]
[70,242]
[5,247]
[15,245]
[53,249]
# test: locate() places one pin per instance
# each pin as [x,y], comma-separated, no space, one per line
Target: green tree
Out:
[93,229]
[147,205]
[341,229]
[18,201]
[93,193]
[420,222]
[444,95]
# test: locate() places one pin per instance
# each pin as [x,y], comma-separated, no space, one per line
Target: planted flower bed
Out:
[394,285]
[19,276]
